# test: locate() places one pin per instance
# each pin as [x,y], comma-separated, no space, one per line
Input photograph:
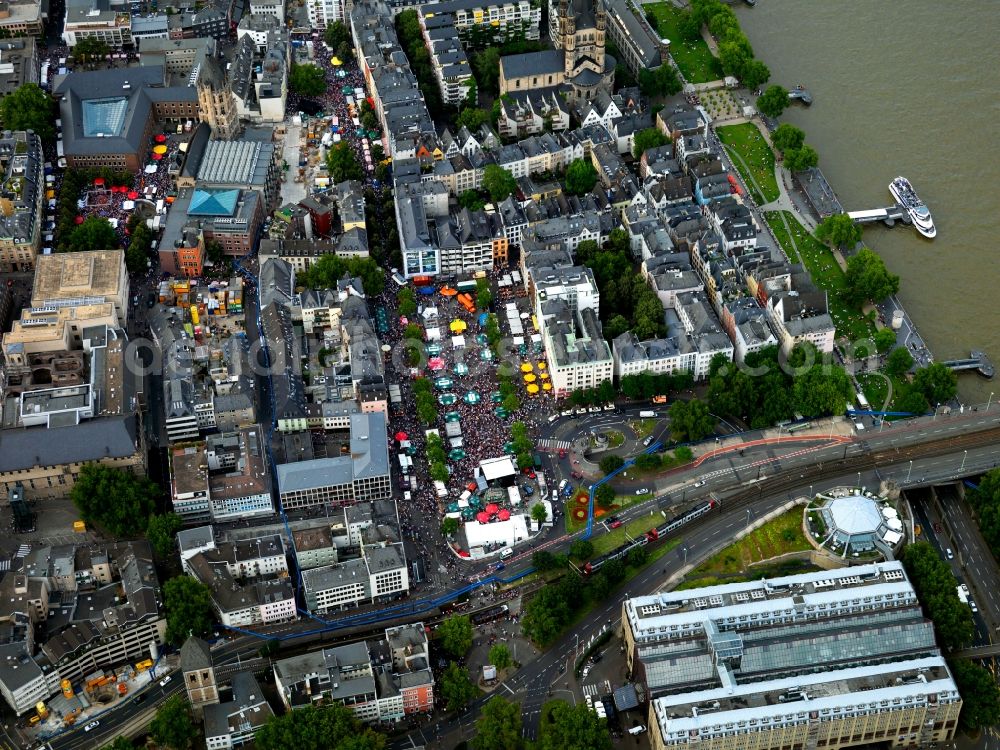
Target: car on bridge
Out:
[614,522]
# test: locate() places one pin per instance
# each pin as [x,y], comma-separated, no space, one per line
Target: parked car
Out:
[950,555]
[92,725]
[528,489]
[642,491]
[164,681]
[614,522]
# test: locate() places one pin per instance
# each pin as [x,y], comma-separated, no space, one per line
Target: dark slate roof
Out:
[195,655]
[92,440]
[518,66]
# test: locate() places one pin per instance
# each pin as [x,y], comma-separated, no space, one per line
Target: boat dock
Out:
[888,216]
[800,94]
[978,361]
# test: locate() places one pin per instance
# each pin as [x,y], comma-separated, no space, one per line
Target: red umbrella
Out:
[133,195]
[157,157]
[504,515]
[160,138]
[483,517]
[492,508]
[98,180]
[401,436]
[78,220]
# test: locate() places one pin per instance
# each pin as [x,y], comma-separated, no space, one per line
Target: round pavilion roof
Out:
[856,514]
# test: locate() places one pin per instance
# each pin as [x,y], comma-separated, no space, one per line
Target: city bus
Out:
[799,426]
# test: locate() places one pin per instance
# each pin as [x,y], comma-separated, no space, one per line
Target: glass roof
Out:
[856,515]
[104,117]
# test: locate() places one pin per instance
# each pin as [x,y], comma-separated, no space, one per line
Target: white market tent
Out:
[498,468]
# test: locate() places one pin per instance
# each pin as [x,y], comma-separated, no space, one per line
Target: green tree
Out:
[306,80]
[120,743]
[980,695]
[455,635]
[368,118]
[647,139]
[499,656]
[499,726]
[134,499]
[326,272]
[337,34]
[173,726]
[545,615]
[486,68]
[188,605]
[936,589]
[90,48]
[899,361]
[604,496]
[659,82]
[582,549]
[867,278]
[611,463]
[328,727]
[28,107]
[456,687]
[755,74]
[472,200]
[498,182]
[139,245]
[580,177]
[910,401]
[342,164]
[772,103]
[648,461]
[786,136]
[538,513]
[449,526]
[543,560]
[95,233]
[690,421]
[801,159]
[472,118]
[683,454]
[885,339]
[161,531]
[214,252]
[638,557]
[936,383]
[511,403]
[572,728]
[822,390]
[839,230]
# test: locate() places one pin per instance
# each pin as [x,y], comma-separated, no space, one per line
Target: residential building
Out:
[379,575]
[235,722]
[23,18]
[96,19]
[363,474]
[18,62]
[22,197]
[640,46]
[577,353]
[258,601]
[380,681]
[842,658]
[798,316]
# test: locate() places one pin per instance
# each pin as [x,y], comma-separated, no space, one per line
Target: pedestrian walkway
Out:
[548,445]
[590,690]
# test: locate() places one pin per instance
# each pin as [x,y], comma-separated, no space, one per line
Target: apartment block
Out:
[834,659]
[23,192]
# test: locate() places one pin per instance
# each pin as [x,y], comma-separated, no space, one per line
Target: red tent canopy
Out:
[157,157]
[160,138]
[401,436]
[98,180]
[133,195]
[504,515]
[462,553]
[78,220]
[483,517]
[492,508]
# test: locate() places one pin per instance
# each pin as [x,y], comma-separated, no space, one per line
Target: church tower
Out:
[216,102]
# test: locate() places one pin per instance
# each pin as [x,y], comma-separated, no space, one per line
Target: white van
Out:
[506,552]
[553,418]
[637,730]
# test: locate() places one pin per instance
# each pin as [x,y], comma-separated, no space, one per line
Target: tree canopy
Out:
[839,230]
[337,34]
[822,390]
[801,159]
[662,81]
[580,177]
[90,48]
[173,726]
[95,233]
[499,656]
[498,182]
[937,590]
[328,727]
[342,164]
[188,605]
[456,687]
[572,728]
[455,635]
[773,102]
[306,79]
[538,513]
[604,496]
[161,530]
[985,500]
[611,463]
[980,695]
[936,383]
[330,269]
[690,421]
[787,136]
[899,361]
[28,107]
[120,743]
[885,339]
[498,726]
[647,139]
[117,501]
[867,279]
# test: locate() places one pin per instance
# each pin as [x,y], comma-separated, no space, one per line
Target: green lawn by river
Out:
[755,157]
[694,59]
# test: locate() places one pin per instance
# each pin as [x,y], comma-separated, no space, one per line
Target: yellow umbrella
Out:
[547,386]
[336,62]
[161,149]
[542,365]
[457,326]
[530,378]
[544,376]
[526,367]
[532,389]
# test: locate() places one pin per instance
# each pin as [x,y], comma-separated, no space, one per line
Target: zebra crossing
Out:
[22,551]
[590,690]
[554,445]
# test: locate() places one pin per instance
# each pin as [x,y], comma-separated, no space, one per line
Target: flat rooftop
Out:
[189,468]
[68,276]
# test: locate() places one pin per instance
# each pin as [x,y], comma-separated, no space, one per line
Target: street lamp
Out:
[965,455]
[990,401]
[685,550]
[748,517]
[859,480]
[909,471]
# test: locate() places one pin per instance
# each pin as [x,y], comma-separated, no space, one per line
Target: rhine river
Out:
[907,88]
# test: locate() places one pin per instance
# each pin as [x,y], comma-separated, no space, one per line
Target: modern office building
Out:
[83,278]
[833,659]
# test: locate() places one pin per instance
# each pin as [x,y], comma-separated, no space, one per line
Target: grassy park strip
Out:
[694,59]
[753,158]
